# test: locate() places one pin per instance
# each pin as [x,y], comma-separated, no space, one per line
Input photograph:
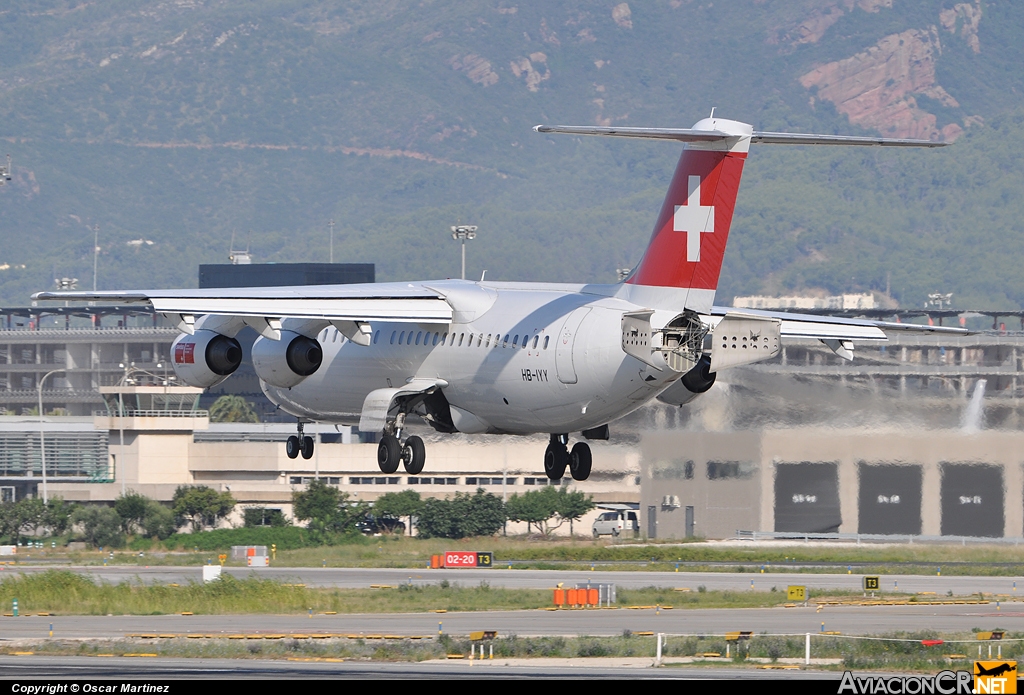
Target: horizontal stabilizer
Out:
[758,137]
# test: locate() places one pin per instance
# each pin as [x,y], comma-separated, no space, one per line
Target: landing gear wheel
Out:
[292,447]
[307,447]
[414,455]
[389,453]
[555,459]
[580,461]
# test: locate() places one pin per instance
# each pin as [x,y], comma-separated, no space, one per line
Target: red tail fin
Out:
[688,243]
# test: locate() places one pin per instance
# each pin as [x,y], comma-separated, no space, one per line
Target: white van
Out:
[615,523]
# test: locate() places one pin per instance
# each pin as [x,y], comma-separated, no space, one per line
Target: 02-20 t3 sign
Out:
[464,558]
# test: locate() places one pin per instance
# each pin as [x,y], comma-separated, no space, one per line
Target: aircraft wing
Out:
[832,328]
[376,302]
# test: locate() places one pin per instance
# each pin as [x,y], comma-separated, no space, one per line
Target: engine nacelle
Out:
[206,358]
[286,362]
[695,382]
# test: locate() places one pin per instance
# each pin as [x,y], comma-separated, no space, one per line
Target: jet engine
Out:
[205,358]
[286,362]
[695,382]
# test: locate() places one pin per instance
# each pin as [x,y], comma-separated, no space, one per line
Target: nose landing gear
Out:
[299,444]
[557,456]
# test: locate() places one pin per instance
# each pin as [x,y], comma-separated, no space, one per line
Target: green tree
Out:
[549,508]
[398,504]
[132,508]
[572,505]
[30,513]
[462,516]
[159,521]
[200,506]
[101,526]
[58,515]
[230,408]
[327,509]
[534,507]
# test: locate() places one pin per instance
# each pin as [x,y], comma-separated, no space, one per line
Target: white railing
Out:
[154,413]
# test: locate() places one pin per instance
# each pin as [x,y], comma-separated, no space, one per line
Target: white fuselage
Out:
[517,358]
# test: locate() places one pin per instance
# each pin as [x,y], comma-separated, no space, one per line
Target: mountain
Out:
[184,122]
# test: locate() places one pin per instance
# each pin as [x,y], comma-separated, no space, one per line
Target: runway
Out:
[60,668]
[853,620]
[355,578]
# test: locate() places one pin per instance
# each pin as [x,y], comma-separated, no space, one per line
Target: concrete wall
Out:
[724,505]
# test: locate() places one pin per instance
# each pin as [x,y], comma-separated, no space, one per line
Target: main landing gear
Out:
[299,444]
[392,450]
[557,456]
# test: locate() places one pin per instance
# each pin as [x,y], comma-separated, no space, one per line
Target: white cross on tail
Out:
[693,219]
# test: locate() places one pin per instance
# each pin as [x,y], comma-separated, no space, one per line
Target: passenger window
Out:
[479,339]
[444,337]
[470,343]
[401,337]
[546,339]
[392,337]
[435,338]
[535,339]
[526,341]
[504,343]
[376,337]
[487,343]
[419,335]
[461,338]
[515,341]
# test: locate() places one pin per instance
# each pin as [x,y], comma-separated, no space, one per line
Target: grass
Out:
[67,593]
[894,652]
[412,553]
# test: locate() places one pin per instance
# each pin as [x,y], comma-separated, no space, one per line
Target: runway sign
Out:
[468,559]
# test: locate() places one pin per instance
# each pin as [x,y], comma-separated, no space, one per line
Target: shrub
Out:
[101,526]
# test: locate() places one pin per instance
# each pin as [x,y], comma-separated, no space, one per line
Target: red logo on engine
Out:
[184,353]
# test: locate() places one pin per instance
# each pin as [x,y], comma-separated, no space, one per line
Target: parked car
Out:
[615,522]
[372,525]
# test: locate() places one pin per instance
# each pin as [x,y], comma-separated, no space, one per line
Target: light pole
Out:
[331,225]
[42,442]
[461,232]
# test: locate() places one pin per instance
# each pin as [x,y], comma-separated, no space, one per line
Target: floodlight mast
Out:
[461,232]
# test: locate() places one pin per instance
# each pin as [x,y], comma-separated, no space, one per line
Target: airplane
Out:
[999,670]
[513,358]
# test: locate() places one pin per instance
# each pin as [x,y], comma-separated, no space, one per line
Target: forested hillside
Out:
[182,122]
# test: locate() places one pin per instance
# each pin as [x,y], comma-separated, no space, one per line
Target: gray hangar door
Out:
[890,499]
[972,500]
[807,497]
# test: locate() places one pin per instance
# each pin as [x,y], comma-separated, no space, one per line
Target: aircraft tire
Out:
[580,460]
[307,448]
[389,454]
[555,460]
[414,455]
[292,447]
